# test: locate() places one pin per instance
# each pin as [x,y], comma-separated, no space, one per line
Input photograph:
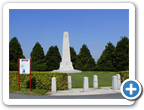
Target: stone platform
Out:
[67,71]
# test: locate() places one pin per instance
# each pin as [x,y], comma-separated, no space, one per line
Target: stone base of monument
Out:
[67,71]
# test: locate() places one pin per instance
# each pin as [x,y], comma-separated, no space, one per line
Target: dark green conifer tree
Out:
[53,58]
[122,54]
[38,59]
[73,56]
[15,52]
[84,60]
[105,62]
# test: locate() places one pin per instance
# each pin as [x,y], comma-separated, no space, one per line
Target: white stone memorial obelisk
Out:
[66,64]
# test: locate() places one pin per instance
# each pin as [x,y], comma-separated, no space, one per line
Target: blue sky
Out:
[93,27]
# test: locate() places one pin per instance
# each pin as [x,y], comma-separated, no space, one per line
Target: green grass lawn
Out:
[27,91]
[103,78]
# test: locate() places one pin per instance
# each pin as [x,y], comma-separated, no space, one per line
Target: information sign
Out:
[24,67]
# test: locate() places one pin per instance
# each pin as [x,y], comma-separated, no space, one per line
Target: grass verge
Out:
[27,91]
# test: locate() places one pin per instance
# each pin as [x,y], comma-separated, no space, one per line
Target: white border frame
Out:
[8,6]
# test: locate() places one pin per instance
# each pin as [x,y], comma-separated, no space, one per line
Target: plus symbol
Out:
[131,89]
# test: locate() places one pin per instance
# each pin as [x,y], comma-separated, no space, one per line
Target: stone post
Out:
[86,84]
[53,85]
[118,80]
[95,81]
[114,83]
[69,82]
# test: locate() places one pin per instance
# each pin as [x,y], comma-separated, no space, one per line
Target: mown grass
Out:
[104,78]
[27,91]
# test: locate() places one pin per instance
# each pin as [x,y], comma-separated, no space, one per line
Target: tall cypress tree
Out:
[37,52]
[105,62]
[53,58]
[85,62]
[73,56]
[15,52]
[57,57]
[38,58]
[122,54]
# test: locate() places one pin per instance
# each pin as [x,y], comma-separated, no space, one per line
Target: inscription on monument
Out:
[65,35]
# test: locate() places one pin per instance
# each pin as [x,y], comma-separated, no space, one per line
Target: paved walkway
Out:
[79,91]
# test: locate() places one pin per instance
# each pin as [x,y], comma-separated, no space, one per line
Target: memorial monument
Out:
[66,64]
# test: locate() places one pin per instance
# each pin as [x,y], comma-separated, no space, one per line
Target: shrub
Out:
[39,80]
[124,75]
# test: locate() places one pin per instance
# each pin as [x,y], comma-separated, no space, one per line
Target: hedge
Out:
[124,75]
[39,80]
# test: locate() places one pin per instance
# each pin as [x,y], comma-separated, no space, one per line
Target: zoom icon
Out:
[131,89]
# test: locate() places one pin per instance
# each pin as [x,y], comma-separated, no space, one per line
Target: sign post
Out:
[24,67]
[18,74]
[30,74]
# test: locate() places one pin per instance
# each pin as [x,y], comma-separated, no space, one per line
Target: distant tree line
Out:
[112,58]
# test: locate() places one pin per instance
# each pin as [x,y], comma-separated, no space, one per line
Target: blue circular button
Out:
[130,89]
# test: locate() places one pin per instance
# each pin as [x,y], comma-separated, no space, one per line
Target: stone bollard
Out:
[69,82]
[118,80]
[53,85]
[86,84]
[95,81]
[114,83]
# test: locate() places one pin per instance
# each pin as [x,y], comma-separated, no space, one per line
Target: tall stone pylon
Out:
[66,64]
